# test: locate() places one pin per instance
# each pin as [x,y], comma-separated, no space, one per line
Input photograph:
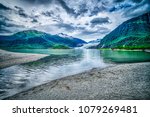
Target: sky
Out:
[85,19]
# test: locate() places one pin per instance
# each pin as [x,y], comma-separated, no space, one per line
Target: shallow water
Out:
[58,64]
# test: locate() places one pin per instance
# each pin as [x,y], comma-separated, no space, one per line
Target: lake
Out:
[61,63]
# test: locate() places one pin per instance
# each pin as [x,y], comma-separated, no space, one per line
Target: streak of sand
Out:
[12,58]
[126,81]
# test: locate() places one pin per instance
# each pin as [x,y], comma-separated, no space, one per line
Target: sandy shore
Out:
[126,81]
[11,58]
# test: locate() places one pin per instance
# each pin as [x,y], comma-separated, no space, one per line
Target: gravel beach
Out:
[119,82]
[11,58]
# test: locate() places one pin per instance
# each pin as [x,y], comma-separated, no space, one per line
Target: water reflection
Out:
[61,63]
[122,56]
[21,77]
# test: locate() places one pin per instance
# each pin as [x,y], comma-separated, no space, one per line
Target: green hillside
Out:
[132,34]
[32,39]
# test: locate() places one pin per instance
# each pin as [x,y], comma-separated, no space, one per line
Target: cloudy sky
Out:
[85,19]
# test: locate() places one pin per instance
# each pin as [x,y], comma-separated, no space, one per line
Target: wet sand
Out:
[11,58]
[119,82]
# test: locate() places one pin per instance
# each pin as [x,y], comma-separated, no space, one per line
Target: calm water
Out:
[60,63]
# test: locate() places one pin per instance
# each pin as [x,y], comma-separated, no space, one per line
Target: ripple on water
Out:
[21,77]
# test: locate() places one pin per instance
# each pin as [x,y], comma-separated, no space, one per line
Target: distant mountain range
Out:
[132,34]
[37,39]
[95,41]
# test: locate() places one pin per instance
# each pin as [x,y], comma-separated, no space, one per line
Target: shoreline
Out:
[119,82]
[145,50]
[8,58]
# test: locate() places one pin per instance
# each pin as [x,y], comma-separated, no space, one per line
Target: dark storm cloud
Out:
[96,10]
[21,12]
[4,18]
[138,9]
[100,30]
[8,27]
[98,21]
[82,10]
[6,22]
[3,30]
[82,17]
[99,8]
[67,27]
[65,7]
[86,32]
[117,1]
[70,27]
[62,3]
[125,4]
[37,1]
[120,7]
[135,1]
[48,13]
[34,21]
[3,7]
[54,17]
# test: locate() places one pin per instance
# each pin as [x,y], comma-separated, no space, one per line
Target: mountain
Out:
[37,39]
[132,34]
[92,44]
[77,40]
[95,41]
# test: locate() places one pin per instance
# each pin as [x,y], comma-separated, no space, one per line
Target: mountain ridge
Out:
[38,39]
[131,34]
